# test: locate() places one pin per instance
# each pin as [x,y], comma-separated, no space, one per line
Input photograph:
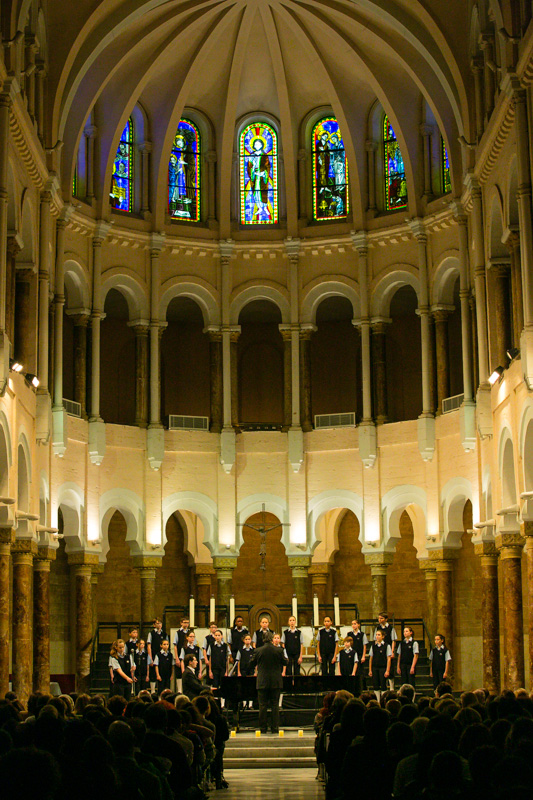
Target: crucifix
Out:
[263,528]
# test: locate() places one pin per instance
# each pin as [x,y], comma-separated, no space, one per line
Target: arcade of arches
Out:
[346,343]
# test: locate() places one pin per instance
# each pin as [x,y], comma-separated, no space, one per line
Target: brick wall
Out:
[250,584]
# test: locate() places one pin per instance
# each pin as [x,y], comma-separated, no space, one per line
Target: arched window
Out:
[184,200]
[258,152]
[330,171]
[122,188]
[395,184]
[445,161]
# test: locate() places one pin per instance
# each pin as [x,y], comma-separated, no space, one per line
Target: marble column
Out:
[487,47]
[440,316]
[379,564]
[360,243]
[211,159]
[430,574]
[432,365]
[82,564]
[90,134]
[96,318]
[306,418]
[224,571]
[6,539]
[41,619]
[148,566]
[286,334]
[510,547]
[156,327]
[81,322]
[215,374]
[141,374]
[234,375]
[319,580]
[464,295]
[419,233]
[203,576]
[444,567]
[22,559]
[528,550]
[490,615]
[300,576]
[379,363]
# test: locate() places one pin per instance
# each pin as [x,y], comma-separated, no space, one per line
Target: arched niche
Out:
[173,580]
[526,451]
[5,465]
[324,514]
[403,356]
[403,602]
[393,504]
[350,578]
[118,593]
[507,470]
[251,584]
[117,361]
[455,494]
[132,510]
[23,483]
[202,539]
[70,505]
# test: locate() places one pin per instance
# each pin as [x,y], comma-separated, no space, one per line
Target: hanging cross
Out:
[263,529]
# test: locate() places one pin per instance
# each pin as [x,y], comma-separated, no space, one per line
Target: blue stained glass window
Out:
[446,180]
[184,174]
[395,183]
[122,179]
[330,172]
[258,151]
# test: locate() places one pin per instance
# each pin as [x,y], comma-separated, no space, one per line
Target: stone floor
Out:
[271,784]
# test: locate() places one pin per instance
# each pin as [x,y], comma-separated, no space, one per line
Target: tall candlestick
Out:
[191,612]
[231,610]
[337,611]
[315,612]
[295,607]
[212,610]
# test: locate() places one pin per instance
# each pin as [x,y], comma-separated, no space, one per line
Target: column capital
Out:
[222,563]
[7,536]
[441,312]
[211,156]
[442,558]
[306,329]
[371,145]
[204,569]
[83,558]
[360,242]
[425,129]
[157,243]
[510,545]
[292,248]
[380,560]
[458,211]
[141,327]
[379,324]
[302,154]
[145,147]
[79,317]
[45,555]
[65,215]
[91,131]
[226,248]
[300,562]
[214,332]
[147,562]
[101,229]
[418,229]
[46,197]
[22,547]
[14,244]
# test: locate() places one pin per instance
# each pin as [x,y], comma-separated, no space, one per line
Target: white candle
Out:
[337,611]
[212,610]
[191,612]
[231,610]
[295,608]
[315,611]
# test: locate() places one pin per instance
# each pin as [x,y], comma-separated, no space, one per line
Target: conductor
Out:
[270,661]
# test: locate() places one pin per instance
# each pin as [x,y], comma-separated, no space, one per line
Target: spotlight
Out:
[512,353]
[15,365]
[496,375]
[33,379]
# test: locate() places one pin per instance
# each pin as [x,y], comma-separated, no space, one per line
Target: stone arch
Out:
[512,194]
[333,285]
[134,293]
[24,472]
[454,495]
[526,453]
[205,509]
[444,279]
[253,504]
[496,217]
[132,509]
[403,498]
[76,285]
[266,291]
[506,464]
[487,511]
[13,204]
[28,231]
[44,498]
[6,461]
[383,288]
[326,537]
[200,291]
[71,502]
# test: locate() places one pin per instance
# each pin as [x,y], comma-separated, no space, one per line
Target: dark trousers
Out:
[269,697]
[378,679]
[122,689]
[327,667]
[218,674]
[405,670]
[164,683]
[438,676]
[293,668]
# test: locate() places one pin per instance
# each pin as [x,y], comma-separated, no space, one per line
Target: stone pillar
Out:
[40,73]
[300,568]
[145,150]
[224,571]
[80,361]
[155,333]
[432,366]
[59,302]
[473,327]
[319,581]
[96,316]
[379,564]
[510,547]
[41,619]
[141,374]
[148,566]
[464,294]
[417,227]
[286,334]
[490,615]
[82,564]
[430,574]
[524,203]
[528,533]
[90,134]
[215,374]
[512,242]
[31,49]
[23,316]
[440,316]
[477,70]
[371,147]
[6,540]
[203,575]
[306,418]
[44,289]
[479,281]
[302,183]
[360,242]
[487,47]
[444,567]
[500,271]
[14,245]
[211,158]
[234,374]
[23,551]
[379,363]
[5,105]
[426,131]
[96,570]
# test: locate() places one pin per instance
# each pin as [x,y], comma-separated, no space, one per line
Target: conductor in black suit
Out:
[270,661]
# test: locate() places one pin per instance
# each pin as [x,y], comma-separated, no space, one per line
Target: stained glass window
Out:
[395,183]
[446,181]
[122,179]
[258,152]
[184,199]
[330,171]
[75,183]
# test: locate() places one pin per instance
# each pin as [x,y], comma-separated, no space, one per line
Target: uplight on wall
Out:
[496,375]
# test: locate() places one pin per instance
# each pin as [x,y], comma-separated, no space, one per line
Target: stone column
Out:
[215,373]
[473,319]
[432,366]
[23,316]
[302,183]
[145,150]
[6,540]
[286,334]
[440,316]
[490,615]
[14,246]
[379,363]
[40,73]
[81,564]
[96,316]
[31,49]
[141,374]
[306,418]
[96,570]
[479,281]
[224,571]
[510,547]
[528,533]
[464,294]
[155,335]
[23,551]
[430,574]
[211,159]
[234,374]
[426,131]
[500,271]
[524,203]
[80,361]
[59,301]
[90,134]
[477,70]
[512,242]
[300,568]
[148,566]
[360,242]
[444,567]
[319,580]
[5,105]
[417,227]
[41,619]
[203,575]
[371,147]
[379,564]
[487,47]
[44,289]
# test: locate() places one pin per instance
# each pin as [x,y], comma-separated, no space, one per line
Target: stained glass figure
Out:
[184,200]
[258,150]
[121,193]
[330,171]
[446,180]
[395,183]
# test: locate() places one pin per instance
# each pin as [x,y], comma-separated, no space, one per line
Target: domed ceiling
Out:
[229,59]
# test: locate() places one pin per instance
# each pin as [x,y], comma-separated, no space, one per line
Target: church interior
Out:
[266,260]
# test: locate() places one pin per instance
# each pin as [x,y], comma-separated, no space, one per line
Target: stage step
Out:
[248,751]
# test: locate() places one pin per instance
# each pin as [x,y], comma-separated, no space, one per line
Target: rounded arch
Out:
[454,495]
[266,291]
[193,530]
[24,472]
[444,279]
[328,287]
[496,248]
[132,509]
[13,203]
[383,288]
[403,498]
[44,498]
[6,460]
[70,500]
[332,500]
[200,291]
[506,464]
[76,285]
[196,503]
[134,293]
[512,194]
[28,230]
[526,453]
[253,504]
[486,509]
